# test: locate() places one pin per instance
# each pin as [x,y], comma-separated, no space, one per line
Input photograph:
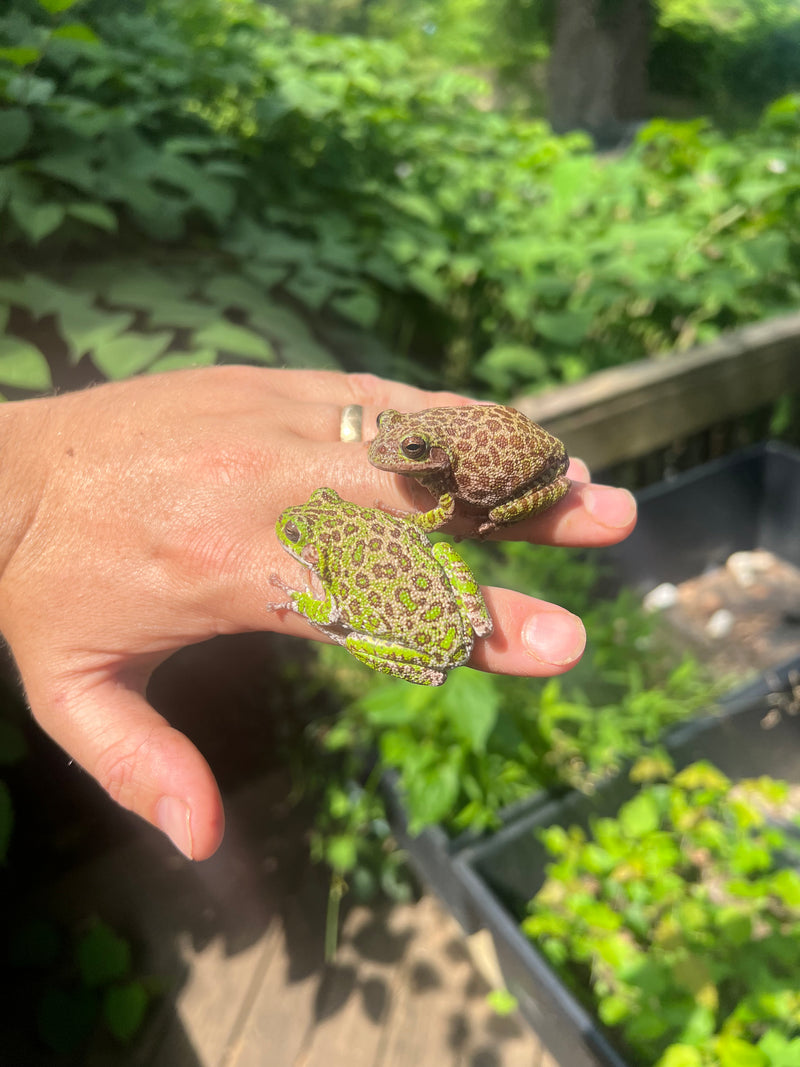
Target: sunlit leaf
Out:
[23,366]
[129,354]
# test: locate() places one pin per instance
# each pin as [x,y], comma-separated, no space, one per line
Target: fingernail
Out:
[175,819]
[555,637]
[614,508]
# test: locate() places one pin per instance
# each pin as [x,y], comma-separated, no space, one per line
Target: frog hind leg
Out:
[385,658]
[533,502]
[465,589]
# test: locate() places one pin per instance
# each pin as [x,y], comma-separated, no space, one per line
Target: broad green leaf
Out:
[15,130]
[471,702]
[36,293]
[734,1052]
[95,214]
[185,314]
[639,816]
[23,366]
[341,852]
[431,792]
[55,7]
[102,956]
[225,337]
[130,353]
[182,360]
[681,1056]
[85,328]
[124,1008]
[362,308]
[146,288]
[37,221]
[76,31]
[566,328]
[21,56]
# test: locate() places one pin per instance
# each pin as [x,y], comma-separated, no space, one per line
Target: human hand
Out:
[139,518]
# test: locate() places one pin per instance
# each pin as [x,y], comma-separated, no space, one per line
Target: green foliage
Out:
[681,917]
[731,57]
[82,983]
[338,178]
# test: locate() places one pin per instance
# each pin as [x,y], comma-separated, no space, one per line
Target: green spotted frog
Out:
[379,587]
[492,460]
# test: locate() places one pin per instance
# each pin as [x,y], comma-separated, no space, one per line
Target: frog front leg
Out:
[466,590]
[530,503]
[436,517]
[391,658]
[317,605]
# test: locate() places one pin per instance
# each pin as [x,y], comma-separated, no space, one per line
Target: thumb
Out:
[144,763]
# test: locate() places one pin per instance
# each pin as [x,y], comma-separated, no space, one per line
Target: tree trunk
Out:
[597,78]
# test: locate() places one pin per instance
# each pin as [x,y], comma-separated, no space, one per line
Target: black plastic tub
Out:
[755,732]
[693,522]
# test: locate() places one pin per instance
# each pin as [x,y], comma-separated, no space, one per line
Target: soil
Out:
[740,618]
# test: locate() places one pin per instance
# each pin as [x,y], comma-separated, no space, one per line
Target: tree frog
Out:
[379,587]
[492,460]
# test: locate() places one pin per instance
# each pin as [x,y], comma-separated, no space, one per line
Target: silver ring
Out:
[351,422]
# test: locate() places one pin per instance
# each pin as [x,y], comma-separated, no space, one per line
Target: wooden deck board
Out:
[239,940]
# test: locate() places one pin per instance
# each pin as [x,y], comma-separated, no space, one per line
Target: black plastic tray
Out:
[687,525]
[694,521]
[746,738]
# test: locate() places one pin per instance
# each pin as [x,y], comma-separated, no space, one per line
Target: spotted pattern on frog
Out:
[492,460]
[378,587]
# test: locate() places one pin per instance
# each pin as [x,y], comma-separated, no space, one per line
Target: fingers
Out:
[141,761]
[531,637]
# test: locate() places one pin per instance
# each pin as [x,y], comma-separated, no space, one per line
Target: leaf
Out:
[102,956]
[681,1056]
[431,792]
[35,293]
[639,816]
[23,366]
[734,1052]
[235,340]
[124,1008]
[75,31]
[341,852]
[37,221]
[206,357]
[21,56]
[471,702]
[567,328]
[95,214]
[129,354]
[84,328]
[145,288]
[15,130]
[55,7]
[362,308]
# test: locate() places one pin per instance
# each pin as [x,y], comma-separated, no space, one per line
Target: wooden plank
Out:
[439,1016]
[356,989]
[625,412]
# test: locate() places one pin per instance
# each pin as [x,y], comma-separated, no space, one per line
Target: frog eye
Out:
[292,532]
[414,447]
